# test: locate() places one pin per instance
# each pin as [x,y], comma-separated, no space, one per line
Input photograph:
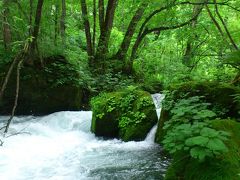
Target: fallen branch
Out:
[16,97]
[14,134]
[9,74]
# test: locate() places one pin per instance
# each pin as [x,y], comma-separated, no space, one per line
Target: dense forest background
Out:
[158,42]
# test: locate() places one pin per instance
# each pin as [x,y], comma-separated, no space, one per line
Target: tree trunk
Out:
[145,31]
[56,29]
[122,52]
[94,25]
[101,10]
[189,54]
[87,29]
[30,17]
[62,22]
[106,28]
[33,50]
[6,26]
[225,26]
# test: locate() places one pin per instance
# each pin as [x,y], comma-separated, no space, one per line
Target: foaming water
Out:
[60,146]
[157,99]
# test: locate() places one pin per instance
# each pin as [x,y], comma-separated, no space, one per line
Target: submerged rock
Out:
[128,114]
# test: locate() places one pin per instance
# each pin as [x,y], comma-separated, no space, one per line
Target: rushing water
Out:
[60,146]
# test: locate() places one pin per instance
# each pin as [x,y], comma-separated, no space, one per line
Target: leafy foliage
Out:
[189,130]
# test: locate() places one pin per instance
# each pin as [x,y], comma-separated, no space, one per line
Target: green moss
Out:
[164,116]
[40,95]
[128,114]
[220,95]
[226,166]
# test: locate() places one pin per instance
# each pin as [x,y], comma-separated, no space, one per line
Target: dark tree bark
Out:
[189,54]
[6,26]
[94,25]
[102,49]
[87,29]
[101,10]
[62,22]
[56,28]
[33,50]
[30,17]
[121,54]
[225,26]
[145,31]
[215,21]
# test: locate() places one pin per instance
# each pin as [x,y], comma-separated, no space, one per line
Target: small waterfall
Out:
[157,99]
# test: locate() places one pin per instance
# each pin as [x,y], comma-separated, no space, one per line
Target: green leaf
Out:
[216,144]
[199,153]
[198,140]
[208,132]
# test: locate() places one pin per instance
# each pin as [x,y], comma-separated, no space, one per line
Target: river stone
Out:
[129,115]
[43,92]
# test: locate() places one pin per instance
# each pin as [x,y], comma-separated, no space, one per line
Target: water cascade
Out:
[60,146]
[157,99]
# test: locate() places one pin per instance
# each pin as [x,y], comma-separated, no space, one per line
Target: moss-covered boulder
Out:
[128,114]
[42,91]
[225,166]
[220,96]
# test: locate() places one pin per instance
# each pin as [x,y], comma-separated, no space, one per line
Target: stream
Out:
[60,146]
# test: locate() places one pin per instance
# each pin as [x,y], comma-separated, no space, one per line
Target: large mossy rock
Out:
[224,167]
[128,114]
[44,91]
[220,96]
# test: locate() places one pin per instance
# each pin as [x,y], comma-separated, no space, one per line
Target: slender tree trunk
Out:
[145,31]
[30,17]
[94,25]
[62,22]
[6,26]
[225,26]
[122,52]
[87,29]
[56,29]
[188,54]
[215,22]
[16,96]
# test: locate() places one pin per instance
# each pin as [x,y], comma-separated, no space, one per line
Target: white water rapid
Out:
[60,146]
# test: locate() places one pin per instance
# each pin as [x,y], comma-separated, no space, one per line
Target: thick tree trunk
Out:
[87,29]
[101,10]
[33,50]
[6,26]
[106,28]
[122,52]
